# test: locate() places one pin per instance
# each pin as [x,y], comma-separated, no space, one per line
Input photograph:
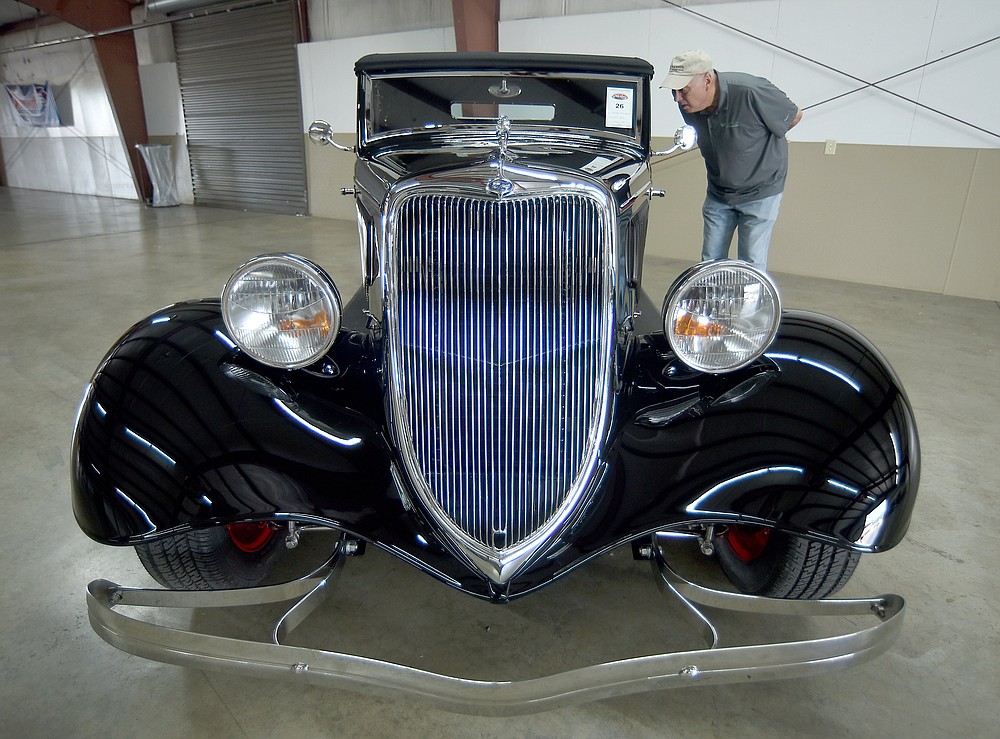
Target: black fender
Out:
[178,429]
[817,437]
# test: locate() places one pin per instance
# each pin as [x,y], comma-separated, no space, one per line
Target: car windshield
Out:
[597,103]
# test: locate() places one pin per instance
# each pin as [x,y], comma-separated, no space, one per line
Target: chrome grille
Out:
[500,331]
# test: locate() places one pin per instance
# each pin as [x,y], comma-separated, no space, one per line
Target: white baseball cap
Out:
[686,65]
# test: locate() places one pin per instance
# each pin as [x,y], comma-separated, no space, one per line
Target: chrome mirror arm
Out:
[685,138]
[321,133]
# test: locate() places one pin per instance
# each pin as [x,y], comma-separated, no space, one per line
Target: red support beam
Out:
[119,65]
[477,24]
[120,68]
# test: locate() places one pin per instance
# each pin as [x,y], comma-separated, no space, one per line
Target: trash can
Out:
[160,165]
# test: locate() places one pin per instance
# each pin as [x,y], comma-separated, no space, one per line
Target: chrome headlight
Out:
[719,316]
[282,310]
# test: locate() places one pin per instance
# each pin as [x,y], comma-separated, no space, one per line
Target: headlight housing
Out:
[282,310]
[720,316]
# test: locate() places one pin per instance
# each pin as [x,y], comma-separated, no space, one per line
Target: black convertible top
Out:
[501,62]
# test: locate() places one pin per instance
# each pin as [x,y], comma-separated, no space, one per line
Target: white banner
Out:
[32,105]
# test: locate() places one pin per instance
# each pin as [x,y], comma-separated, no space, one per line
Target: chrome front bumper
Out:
[708,666]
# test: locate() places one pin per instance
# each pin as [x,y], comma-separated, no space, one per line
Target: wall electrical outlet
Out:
[831,148]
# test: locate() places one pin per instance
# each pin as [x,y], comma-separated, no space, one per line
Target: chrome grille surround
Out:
[499,317]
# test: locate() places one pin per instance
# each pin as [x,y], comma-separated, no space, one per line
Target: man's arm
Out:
[777,112]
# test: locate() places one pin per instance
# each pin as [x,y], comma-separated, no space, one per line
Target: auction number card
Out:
[620,104]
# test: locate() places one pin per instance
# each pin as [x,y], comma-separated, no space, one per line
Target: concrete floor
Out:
[76,271]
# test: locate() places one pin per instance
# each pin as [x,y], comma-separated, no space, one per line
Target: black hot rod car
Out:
[500,403]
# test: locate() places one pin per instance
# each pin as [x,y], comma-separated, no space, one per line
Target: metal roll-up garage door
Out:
[239,82]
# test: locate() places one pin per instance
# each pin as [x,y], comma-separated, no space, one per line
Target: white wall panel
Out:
[161,99]
[56,160]
[864,38]
[963,86]
[117,167]
[868,39]
[982,109]
[72,160]
[520,9]
[341,19]
[615,34]
[326,71]
[17,154]
[84,166]
[92,114]
[865,117]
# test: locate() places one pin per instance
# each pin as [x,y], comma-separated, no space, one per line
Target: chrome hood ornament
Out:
[500,185]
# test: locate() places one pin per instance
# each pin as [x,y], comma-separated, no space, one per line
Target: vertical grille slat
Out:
[500,333]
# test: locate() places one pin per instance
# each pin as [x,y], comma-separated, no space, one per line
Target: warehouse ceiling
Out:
[13,14]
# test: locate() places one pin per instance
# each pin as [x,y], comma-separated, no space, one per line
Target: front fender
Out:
[817,438]
[177,428]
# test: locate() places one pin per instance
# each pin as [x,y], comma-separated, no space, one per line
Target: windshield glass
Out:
[407,103]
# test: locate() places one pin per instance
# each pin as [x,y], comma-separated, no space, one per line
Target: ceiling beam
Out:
[119,65]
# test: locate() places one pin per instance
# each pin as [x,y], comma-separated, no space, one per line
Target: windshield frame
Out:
[566,91]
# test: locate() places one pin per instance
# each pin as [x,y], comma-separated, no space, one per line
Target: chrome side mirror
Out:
[321,133]
[685,138]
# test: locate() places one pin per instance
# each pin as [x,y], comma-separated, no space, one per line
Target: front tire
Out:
[217,558]
[775,564]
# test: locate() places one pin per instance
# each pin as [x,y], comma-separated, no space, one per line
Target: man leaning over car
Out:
[741,122]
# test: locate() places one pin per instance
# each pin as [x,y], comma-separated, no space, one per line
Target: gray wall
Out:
[921,218]
[908,200]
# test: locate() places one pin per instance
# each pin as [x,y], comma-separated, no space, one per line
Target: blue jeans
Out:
[755,221]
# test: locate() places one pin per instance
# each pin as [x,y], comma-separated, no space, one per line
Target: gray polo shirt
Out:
[743,139]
